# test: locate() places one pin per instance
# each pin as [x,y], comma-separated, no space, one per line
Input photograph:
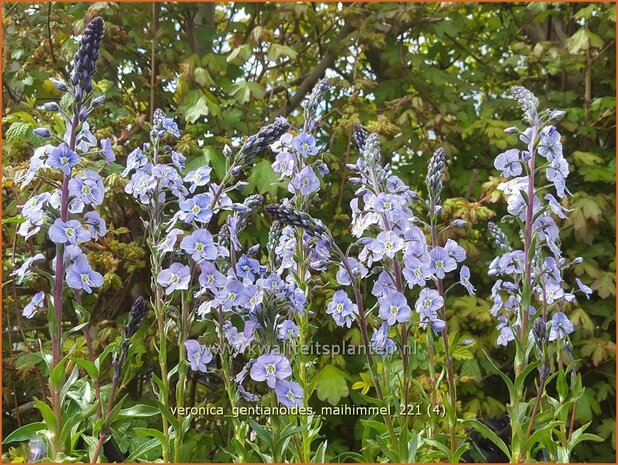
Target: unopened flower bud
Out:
[556,115]
[37,450]
[83,114]
[511,130]
[58,84]
[540,332]
[459,223]
[578,260]
[544,372]
[42,132]
[227,151]
[51,106]
[96,102]
[136,315]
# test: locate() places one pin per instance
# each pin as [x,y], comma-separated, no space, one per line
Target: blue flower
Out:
[233,295]
[284,164]
[287,330]
[199,245]
[25,268]
[135,161]
[247,268]
[441,262]
[96,225]
[196,209]
[81,276]
[106,150]
[506,335]
[416,272]
[342,309]
[381,343]
[305,144]
[388,243]
[587,290]
[394,308]
[305,182]
[509,163]
[36,303]
[383,285]
[198,177]
[177,276]
[64,158]
[210,278]
[197,355]
[178,159]
[239,341]
[289,393]
[464,280]
[358,269]
[70,232]
[560,326]
[141,186]
[270,368]
[86,189]
[429,300]
[549,145]
[167,244]
[37,450]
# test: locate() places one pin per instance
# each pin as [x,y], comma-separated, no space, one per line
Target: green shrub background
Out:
[422,75]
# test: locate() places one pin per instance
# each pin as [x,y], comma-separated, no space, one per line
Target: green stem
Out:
[226,374]
[182,374]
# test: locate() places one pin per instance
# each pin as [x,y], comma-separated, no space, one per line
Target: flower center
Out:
[231,296]
[339,308]
[440,264]
[86,190]
[196,209]
[64,160]
[417,272]
[427,303]
[388,245]
[290,395]
[270,369]
[305,146]
[394,310]
[199,247]
[175,278]
[70,232]
[387,206]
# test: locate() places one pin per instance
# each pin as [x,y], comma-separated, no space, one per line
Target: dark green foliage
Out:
[421,75]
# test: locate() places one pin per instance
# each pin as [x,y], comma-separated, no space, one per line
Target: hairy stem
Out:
[58,286]
[450,370]
[362,322]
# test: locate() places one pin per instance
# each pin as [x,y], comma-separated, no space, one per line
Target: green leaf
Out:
[197,109]
[331,384]
[142,449]
[88,367]
[25,433]
[263,179]
[139,410]
[48,415]
[488,434]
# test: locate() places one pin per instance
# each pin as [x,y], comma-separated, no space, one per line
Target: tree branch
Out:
[326,62]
